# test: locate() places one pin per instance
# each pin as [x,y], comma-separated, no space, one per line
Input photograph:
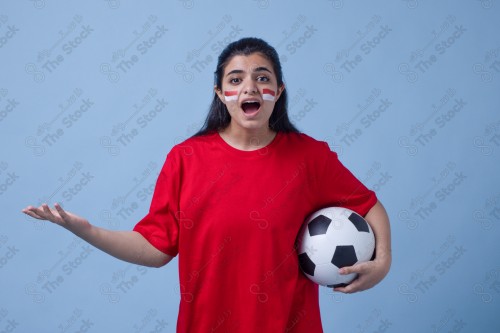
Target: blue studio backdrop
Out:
[94,94]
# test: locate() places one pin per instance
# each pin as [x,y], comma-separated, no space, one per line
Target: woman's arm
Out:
[372,272]
[129,246]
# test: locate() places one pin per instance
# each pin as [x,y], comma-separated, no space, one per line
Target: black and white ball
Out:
[330,239]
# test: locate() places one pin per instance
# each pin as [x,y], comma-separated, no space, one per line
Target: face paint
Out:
[268,95]
[231,96]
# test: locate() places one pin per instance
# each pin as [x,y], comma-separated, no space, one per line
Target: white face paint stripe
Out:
[231,96]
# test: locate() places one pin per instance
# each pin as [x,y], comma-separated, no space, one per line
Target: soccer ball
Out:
[330,239]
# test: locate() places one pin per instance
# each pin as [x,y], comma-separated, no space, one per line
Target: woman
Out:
[230,202]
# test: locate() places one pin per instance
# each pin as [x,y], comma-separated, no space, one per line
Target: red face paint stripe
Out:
[268,91]
[230,93]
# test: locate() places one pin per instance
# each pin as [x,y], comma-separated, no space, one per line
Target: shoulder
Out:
[196,141]
[191,145]
[185,152]
[306,142]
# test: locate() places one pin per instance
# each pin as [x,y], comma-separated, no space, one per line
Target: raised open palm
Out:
[57,215]
[125,245]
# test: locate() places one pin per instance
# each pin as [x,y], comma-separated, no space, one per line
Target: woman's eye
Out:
[263,79]
[234,80]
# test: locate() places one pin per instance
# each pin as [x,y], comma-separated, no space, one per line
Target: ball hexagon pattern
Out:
[330,239]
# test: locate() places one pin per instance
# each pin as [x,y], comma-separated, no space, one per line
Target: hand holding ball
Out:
[330,239]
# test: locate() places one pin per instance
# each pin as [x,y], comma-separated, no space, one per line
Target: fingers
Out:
[47,210]
[62,213]
[355,286]
[43,213]
[359,268]
[32,211]
[358,284]
[35,212]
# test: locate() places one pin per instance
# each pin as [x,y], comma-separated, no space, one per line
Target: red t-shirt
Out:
[233,217]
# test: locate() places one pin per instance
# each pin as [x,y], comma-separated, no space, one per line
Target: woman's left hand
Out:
[372,272]
[369,274]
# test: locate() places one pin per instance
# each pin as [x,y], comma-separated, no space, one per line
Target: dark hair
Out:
[218,117]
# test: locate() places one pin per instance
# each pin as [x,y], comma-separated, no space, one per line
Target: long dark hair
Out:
[218,117]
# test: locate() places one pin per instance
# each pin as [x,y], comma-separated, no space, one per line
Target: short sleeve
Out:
[337,186]
[160,226]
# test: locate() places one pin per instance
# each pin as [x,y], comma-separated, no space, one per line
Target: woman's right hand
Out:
[130,246]
[59,216]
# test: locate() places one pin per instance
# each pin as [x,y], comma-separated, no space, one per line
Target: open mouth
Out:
[250,107]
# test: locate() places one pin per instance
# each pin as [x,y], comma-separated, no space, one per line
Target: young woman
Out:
[230,202]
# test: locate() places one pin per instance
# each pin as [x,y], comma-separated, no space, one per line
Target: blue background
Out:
[94,94]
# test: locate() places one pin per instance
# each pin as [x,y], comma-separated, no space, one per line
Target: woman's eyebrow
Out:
[257,69]
[235,71]
[262,69]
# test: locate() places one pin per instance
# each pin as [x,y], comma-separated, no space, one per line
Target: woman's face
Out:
[249,91]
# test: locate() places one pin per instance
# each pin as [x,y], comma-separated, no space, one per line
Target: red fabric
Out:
[233,217]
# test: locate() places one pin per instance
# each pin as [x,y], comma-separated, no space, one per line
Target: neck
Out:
[247,139]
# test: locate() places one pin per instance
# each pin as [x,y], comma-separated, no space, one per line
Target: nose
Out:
[250,87]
